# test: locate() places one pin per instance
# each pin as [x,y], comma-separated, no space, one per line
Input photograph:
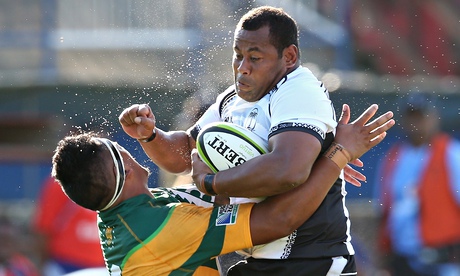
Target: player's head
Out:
[283,30]
[419,118]
[265,50]
[90,170]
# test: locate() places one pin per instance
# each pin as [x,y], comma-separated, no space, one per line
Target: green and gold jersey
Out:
[160,235]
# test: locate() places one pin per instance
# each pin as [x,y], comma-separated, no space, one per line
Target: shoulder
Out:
[302,74]
[300,81]
[225,98]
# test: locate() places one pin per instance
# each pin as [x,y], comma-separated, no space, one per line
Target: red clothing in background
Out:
[71,229]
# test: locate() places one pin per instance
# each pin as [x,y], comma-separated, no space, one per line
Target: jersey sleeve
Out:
[302,103]
[236,219]
[212,114]
[189,193]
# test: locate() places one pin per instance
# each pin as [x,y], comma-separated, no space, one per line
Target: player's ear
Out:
[291,55]
[128,172]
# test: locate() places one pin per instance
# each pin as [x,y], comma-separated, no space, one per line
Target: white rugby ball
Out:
[226,145]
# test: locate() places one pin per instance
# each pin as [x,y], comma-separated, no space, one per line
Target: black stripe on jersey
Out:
[274,90]
[231,93]
[315,131]
[327,142]
[325,89]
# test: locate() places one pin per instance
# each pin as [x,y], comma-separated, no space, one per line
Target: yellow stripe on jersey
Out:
[173,245]
[206,271]
[178,239]
[237,232]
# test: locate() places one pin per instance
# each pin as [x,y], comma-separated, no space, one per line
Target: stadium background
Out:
[77,64]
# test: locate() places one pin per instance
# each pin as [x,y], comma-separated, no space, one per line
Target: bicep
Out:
[295,152]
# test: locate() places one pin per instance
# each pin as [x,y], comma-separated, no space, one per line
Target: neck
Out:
[290,70]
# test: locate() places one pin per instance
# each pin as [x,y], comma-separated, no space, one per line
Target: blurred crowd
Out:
[61,238]
[417,197]
[417,185]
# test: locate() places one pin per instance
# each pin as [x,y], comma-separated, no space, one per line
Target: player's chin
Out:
[246,95]
[146,170]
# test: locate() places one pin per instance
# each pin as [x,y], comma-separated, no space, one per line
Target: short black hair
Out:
[79,167]
[421,102]
[283,28]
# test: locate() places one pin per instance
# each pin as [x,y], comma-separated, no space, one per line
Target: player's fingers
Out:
[353,176]
[352,181]
[359,176]
[123,120]
[380,120]
[348,170]
[144,111]
[377,139]
[128,115]
[366,115]
[132,113]
[146,125]
[345,117]
[382,127]
[357,162]
[194,155]
[122,116]
[378,126]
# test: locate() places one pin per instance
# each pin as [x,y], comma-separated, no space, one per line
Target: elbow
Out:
[179,170]
[285,225]
[291,172]
[177,167]
[290,179]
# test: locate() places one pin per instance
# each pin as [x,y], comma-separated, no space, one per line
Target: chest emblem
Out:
[109,236]
[251,120]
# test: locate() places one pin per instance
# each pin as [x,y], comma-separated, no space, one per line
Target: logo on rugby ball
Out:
[225,145]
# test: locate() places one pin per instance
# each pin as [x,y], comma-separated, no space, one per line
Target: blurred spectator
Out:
[419,195]
[12,261]
[67,234]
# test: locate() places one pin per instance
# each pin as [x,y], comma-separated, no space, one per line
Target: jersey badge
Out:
[251,120]
[227,215]
[109,236]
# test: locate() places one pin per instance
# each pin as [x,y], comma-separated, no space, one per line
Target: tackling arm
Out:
[289,210]
[169,150]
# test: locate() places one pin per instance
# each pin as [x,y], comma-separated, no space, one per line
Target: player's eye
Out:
[238,56]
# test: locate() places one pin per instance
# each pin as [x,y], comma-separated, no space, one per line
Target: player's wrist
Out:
[338,154]
[150,138]
[208,184]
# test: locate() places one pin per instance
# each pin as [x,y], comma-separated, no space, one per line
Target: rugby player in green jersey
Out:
[146,231]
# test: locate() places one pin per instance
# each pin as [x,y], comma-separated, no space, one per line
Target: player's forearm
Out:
[289,210]
[170,151]
[261,176]
[286,166]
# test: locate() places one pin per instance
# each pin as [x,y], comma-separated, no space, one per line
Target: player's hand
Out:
[199,169]
[137,121]
[361,135]
[358,137]
[352,176]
